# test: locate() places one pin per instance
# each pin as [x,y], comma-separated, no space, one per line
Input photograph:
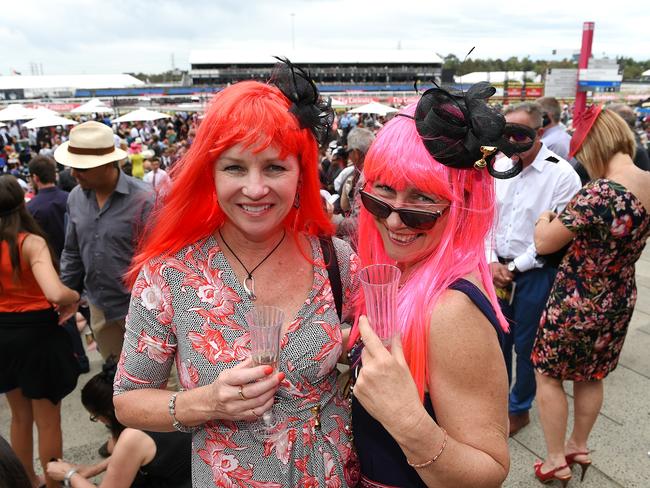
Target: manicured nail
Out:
[281,376]
[268,370]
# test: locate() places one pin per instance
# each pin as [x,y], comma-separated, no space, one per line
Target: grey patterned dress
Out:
[191,308]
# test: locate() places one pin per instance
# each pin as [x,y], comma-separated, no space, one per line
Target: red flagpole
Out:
[583,63]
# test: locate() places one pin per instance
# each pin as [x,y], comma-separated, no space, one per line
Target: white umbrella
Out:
[92,106]
[48,121]
[43,111]
[141,114]
[17,111]
[374,108]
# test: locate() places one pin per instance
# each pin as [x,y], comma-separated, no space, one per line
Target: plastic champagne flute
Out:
[265,326]
[380,283]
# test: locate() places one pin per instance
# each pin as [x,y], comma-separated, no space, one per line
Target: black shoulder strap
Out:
[553,159]
[332,264]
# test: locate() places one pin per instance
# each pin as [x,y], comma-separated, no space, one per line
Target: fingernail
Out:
[268,370]
[281,376]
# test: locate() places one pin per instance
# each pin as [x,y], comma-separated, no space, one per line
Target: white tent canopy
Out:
[374,108]
[92,106]
[17,111]
[48,121]
[141,114]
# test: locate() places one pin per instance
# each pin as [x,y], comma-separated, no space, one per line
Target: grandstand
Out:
[333,71]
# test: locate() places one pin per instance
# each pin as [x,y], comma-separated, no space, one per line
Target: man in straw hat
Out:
[105,216]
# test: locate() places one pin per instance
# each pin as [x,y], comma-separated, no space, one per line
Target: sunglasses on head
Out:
[415,219]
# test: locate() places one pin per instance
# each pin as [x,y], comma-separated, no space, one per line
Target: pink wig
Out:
[398,159]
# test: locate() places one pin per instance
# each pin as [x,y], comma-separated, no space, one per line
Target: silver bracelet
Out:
[172,412]
[68,476]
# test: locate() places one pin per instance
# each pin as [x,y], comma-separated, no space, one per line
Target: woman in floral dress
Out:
[240,228]
[583,328]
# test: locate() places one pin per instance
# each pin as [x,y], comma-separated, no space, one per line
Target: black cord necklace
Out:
[250,290]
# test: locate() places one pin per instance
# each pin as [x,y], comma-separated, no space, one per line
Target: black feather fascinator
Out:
[462,131]
[311,110]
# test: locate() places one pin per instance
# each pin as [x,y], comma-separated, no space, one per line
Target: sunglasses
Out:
[523,137]
[415,219]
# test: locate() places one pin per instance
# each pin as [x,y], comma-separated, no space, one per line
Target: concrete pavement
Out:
[620,440]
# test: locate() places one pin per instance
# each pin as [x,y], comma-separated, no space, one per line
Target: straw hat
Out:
[91,144]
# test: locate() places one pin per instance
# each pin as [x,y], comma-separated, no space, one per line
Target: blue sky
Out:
[114,36]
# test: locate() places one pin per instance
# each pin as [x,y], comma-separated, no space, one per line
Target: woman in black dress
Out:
[139,460]
[432,410]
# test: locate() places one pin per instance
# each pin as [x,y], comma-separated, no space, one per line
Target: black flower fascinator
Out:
[312,111]
[461,131]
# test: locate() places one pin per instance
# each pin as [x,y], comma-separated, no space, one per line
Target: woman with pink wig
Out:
[432,409]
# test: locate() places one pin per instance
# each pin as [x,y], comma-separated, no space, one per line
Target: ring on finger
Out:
[255,413]
[241,393]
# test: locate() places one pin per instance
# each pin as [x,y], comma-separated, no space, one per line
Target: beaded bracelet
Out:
[435,458]
[172,412]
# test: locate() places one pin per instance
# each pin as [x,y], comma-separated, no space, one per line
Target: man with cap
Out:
[106,212]
[523,279]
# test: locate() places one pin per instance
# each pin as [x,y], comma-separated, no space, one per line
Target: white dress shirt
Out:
[157,179]
[543,185]
[557,140]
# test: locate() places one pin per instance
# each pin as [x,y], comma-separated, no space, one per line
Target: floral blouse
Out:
[190,309]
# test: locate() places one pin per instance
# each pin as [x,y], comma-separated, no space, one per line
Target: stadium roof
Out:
[89,82]
[311,56]
[497,76]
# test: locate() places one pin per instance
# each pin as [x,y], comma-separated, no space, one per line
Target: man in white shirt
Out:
[157,178]
[547,182]
[555,136]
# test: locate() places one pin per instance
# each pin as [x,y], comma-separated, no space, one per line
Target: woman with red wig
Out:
[583,328]
[242,226]
[432,410]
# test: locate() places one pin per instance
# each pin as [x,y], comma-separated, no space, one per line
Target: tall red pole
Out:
[583,63]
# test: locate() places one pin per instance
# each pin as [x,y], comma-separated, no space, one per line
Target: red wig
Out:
[257,116]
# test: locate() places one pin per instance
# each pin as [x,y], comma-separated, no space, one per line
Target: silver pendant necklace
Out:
[249,281]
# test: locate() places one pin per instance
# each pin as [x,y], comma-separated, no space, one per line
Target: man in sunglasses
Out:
[522,278]
[105,215]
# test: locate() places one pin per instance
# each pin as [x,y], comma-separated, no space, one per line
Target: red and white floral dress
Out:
[190,309]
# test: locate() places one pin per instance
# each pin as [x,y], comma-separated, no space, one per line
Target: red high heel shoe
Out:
[551,476]
[584,465]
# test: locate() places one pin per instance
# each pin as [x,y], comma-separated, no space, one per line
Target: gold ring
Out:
[254,413]
[241,393]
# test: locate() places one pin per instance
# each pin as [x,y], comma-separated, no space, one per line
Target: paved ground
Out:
[620,440]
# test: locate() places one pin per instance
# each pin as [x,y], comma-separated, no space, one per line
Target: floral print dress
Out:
[190,309]
[583,328]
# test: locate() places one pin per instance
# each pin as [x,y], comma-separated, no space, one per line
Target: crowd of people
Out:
[510,235]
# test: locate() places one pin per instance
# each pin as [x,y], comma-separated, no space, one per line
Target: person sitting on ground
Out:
[139,459]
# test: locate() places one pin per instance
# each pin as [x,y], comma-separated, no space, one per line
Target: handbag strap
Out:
[332,264]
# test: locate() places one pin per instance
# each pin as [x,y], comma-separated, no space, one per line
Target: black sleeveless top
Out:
[171,467]
[381,458]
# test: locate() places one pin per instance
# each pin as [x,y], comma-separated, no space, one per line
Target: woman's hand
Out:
[58,469]
[244,392]
[385,386]
[546,216]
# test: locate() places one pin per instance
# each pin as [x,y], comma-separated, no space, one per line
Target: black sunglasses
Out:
[415,219]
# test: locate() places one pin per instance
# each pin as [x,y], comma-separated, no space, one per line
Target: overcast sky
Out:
[117,36]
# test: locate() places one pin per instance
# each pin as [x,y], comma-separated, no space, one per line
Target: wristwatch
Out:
[512,267]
